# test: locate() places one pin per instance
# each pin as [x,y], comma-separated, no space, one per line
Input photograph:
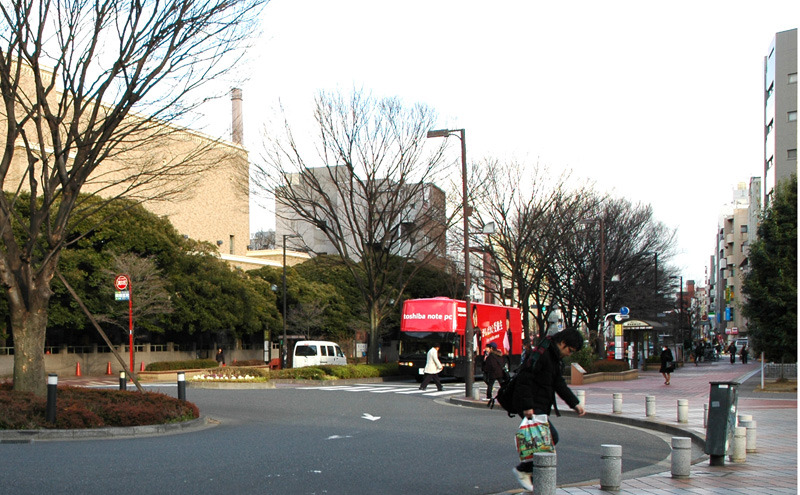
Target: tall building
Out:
[780,111]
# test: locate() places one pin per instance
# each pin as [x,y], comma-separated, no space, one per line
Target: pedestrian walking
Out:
[538,384]
[493,369]
[744,353]
[432,369]
[220,357]
[667,363]
[732,352]
[698,352]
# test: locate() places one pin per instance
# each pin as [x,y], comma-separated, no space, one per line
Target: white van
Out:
[317,352]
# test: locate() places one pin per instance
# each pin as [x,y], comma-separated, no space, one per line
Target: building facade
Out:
[780,111]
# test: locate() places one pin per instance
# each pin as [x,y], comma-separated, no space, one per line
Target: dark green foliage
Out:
[607,366]
[194,364]
[770,285]
[79,407]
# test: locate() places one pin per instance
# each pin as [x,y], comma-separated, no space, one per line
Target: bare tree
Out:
[89,91]
[368,189]
[530,220]
[306,317]
[629,235]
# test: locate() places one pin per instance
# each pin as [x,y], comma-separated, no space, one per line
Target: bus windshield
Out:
[419,343]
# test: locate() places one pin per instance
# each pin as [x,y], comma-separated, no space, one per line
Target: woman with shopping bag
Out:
[535,396]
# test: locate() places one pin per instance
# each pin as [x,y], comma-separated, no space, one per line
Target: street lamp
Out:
[284,347]
[601,222]
[470,378]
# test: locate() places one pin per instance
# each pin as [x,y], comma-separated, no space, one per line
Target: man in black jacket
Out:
[537,386]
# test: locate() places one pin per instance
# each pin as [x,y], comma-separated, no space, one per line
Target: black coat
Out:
[493,366]
[666,357]
[537,386]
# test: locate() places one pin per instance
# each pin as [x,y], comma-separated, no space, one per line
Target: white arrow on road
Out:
[370,417]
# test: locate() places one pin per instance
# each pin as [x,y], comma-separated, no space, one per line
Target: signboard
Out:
[122,295]
[121,283]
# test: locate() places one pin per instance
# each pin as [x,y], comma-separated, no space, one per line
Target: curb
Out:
[29,436]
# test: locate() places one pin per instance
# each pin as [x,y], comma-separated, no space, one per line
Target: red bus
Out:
[442,321]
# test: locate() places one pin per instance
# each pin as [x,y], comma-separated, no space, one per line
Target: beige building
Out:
[199,183]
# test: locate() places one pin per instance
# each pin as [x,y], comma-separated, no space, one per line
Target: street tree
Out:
[610,240]
[530,221]
[366,185]
[770,283]
[89,91]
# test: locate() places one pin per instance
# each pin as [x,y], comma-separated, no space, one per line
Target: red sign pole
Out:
[123,283]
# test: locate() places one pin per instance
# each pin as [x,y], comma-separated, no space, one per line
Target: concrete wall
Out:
[96,363]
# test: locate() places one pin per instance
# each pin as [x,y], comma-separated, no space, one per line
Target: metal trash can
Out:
[722,407]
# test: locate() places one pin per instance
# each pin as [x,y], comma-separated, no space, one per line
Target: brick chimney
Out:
[237,128]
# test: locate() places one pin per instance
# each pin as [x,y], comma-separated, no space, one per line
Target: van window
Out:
[339,352]
[324,350]
[330,351]
[305,350]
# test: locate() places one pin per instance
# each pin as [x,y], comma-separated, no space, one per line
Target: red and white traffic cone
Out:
[141,368]
[108,368]
[78,369]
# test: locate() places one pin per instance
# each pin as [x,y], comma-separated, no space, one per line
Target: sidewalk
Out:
[772,469]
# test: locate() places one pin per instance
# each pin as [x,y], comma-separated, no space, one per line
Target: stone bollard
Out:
[611,474]
[750,436]
[617,404]
[476,392]
[650,406]
[681,457]
[544,473]
[705,415]
[581,395]
[739,447]
[683,410]
[743,417]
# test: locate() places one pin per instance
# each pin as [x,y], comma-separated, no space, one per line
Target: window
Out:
[305,350]
[792,116]
[793,78]
[744,229]
[769,163]
[770,125]
[791,154]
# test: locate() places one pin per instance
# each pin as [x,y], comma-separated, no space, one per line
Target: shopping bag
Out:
[534,436]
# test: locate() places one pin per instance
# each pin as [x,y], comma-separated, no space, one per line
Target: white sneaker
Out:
[524,479]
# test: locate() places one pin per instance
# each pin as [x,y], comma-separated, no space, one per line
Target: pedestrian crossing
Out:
[389,389]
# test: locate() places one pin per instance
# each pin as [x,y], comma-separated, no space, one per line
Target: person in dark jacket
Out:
[537,386]
[732,352]
[667,363]
[492,367]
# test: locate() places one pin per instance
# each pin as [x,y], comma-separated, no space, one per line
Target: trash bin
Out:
[722,405]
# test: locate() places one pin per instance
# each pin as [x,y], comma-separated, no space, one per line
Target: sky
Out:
[657,102]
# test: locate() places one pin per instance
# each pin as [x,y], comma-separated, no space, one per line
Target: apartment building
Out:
[780,111]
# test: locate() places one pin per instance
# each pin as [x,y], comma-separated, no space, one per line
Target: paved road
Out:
[313,441]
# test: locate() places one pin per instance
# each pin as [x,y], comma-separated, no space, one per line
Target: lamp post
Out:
[469,331]
[601,331]
[284,347]
[680,308]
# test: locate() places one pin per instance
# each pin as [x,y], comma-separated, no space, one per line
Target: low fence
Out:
[94,360]
[778,370]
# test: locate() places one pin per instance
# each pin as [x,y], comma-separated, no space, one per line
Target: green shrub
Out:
[249,362]
[192,364]
[585,357]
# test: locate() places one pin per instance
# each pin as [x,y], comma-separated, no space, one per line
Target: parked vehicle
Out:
[316,353]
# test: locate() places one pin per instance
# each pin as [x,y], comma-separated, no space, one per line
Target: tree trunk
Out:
[28,326]
[374,341]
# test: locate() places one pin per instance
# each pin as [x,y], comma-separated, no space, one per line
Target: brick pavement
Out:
[771,470]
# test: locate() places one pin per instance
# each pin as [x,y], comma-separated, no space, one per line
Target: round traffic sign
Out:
[624,311]
[121,282]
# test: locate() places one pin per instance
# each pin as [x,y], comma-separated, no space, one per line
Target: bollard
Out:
[681,457]
[182,386]
[750,436]
[476,392]
[617,406]
[743,417]
[611,474]
[581,395]
[123,381]
[52,393]
[544,473]
[683,410]
[739,447]
[650,406]
[705,415]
